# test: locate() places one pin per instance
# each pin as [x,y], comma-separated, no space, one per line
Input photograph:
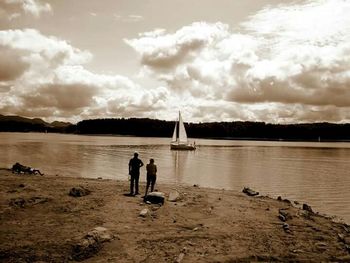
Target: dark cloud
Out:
[11,64]
[167,58]
[63,97]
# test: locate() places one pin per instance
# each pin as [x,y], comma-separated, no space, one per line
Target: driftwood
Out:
[19,168]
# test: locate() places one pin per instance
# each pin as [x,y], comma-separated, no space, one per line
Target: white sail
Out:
[182,131]
[174,134]
[179,140]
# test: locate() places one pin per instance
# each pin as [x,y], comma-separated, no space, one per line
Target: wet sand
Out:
[41,222]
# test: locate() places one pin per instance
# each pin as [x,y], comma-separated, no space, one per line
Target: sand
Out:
[40,222]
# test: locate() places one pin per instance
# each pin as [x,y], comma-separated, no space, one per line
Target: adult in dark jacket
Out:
[134,170]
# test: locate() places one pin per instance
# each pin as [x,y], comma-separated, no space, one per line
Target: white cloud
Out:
[13,8]
[45,77]
[294,56]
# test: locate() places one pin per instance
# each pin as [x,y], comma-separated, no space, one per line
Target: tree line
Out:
[145,127]
[218,130]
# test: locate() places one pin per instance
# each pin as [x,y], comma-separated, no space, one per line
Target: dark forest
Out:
[144,127]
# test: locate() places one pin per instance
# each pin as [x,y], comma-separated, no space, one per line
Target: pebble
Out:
[180,258]
[144,212]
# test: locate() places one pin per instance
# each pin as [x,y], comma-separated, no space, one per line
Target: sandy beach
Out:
[41,222]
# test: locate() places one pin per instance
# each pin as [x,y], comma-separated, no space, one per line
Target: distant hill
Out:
[22,124]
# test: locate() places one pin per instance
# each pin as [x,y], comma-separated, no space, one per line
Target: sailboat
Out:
[179,140]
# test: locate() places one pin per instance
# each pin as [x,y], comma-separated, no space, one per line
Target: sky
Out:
[275,61]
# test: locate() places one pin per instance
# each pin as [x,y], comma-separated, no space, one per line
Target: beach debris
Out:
[22,202]
[174,196]
[180,258]
[249,191]
[99,178]
[18,202]
[144,212]
[155,198]
[22,169]
[79,191]
[308,208]
[91,243]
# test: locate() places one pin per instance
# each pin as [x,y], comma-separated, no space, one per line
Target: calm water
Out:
[314,172]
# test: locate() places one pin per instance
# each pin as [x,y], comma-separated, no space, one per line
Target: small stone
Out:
[79,191]
[308,208]
[99,178]
[279,198]
[21,185]
[174,196]
[144,212]
[284,213]
[286,227]
[180,258]
[101,234]
[287,201]
[249,191]
[195,185]
[282,218]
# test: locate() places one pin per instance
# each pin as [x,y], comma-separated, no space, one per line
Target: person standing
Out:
[134,170]
[151,175]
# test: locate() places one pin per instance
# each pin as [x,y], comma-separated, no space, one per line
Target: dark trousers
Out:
[151,180]
[134,180]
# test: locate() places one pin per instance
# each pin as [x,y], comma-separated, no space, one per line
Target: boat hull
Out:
[186,147]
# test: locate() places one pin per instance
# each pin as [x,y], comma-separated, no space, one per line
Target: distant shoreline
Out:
[192,138]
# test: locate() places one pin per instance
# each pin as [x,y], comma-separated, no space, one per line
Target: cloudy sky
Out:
[276,61]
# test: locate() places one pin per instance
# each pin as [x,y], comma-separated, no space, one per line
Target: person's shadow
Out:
[129,195]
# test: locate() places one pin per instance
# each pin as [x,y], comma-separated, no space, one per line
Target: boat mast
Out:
[178,128]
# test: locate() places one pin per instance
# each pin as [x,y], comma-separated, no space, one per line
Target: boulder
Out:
[155,198]
[79,191]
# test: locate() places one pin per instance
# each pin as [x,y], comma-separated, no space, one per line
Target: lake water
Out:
[314,172]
